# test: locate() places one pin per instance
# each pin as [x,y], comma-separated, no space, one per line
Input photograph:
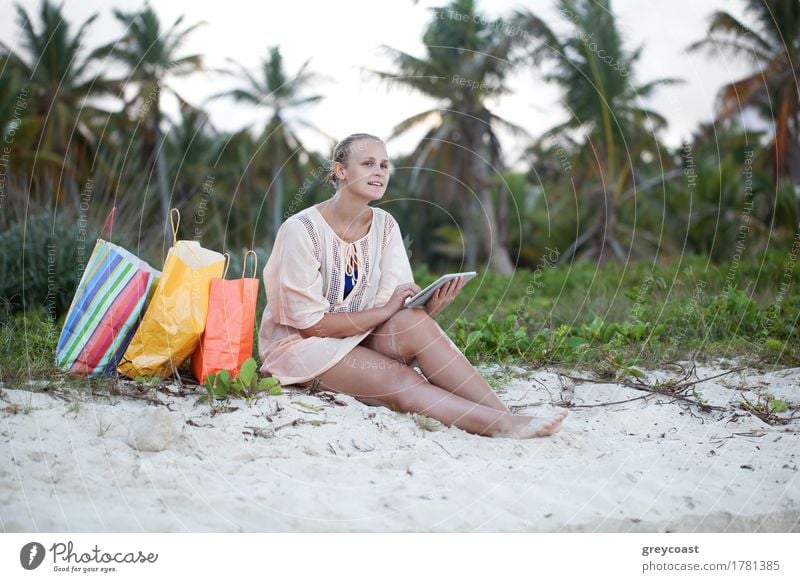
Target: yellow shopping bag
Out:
[176,316]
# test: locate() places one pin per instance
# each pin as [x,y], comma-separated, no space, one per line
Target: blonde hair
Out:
[342,151]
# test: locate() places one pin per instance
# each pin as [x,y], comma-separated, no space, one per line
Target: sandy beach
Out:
[304,462]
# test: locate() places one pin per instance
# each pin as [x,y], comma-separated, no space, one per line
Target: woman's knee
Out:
[407,320]
[410,331]
[403,388]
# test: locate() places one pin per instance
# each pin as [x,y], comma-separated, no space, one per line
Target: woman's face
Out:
[367,171]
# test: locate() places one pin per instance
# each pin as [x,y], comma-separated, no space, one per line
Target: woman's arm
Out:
[356,322]
[347,324]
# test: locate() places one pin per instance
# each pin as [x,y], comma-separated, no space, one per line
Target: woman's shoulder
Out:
[304,217]
[386,224]
[385,218]
[303,225]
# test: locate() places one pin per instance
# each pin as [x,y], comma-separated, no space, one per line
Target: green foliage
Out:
[491,339]
[38,262]
[148,382]
[732,312]
[27,346]
[765,406]
[246,385]
[582,313]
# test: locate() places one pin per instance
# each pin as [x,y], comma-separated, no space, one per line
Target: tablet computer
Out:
[421,298]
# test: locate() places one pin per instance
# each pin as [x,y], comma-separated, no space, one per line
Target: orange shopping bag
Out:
[228,338]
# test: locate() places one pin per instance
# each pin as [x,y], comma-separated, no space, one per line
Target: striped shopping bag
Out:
[106,309]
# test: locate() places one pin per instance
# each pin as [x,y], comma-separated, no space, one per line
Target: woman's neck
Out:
[346,210]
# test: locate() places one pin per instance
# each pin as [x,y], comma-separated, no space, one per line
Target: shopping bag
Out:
[176,316]
[106,308]
[228,338]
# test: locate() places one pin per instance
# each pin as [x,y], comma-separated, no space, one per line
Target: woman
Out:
[336,282]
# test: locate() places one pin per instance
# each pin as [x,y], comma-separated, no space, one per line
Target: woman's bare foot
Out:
[526,427]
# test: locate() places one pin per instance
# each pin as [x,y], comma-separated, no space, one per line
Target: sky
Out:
[344,39]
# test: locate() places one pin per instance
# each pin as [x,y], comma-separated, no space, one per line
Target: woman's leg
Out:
[411,333]
[375,378]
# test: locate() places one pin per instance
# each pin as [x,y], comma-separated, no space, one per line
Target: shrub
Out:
[40,264]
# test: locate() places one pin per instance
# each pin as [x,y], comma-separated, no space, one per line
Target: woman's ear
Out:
[338,170]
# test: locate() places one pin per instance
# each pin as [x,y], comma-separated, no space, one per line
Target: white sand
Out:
[647,465]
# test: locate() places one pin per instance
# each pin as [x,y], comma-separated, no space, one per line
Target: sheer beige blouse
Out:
[304,279]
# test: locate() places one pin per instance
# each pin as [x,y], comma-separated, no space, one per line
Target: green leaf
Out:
[778,406]
[247,373]
[152,381]
[635,372]
[224,379]
[267,384]
[221,390]
[238,389]
[610,331]
[275,391]
[473,337]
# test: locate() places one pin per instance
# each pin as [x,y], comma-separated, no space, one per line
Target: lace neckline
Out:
[340,239]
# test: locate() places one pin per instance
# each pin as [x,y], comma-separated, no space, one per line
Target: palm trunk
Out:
[499,259]
[153,155]
[470,235]
[502,215]
[604,242]
[161,175]
[277,199]
[161,172]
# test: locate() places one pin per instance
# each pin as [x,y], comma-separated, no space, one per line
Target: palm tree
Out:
[151,55]
[468,59]
[594,71]
[773,46]
[45,90]
[277,92]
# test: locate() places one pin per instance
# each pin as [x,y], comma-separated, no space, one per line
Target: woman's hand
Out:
[442,297]
[398,299]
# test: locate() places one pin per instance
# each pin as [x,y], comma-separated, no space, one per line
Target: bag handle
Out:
[255,263]
[109,223]
[227,264]
[174,225]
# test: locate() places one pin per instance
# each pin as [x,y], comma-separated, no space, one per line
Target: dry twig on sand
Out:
[675,388]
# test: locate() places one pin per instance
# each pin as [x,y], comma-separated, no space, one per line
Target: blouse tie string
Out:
[352,262]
